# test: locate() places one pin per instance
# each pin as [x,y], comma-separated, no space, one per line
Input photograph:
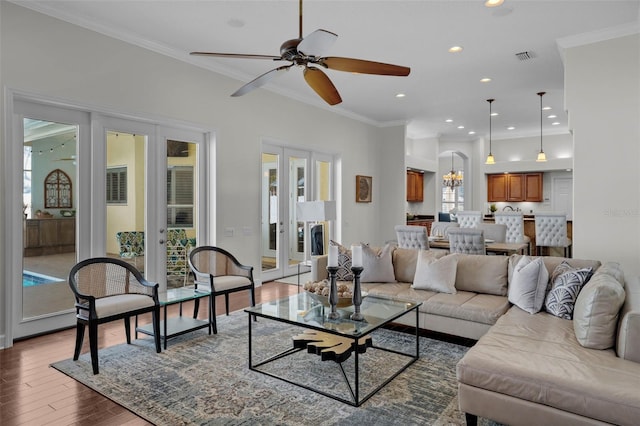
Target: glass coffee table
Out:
[337,341]
[176,326]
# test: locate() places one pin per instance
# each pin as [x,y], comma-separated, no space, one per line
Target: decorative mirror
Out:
[57,190]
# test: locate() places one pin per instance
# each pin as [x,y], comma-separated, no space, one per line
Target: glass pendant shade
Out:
[490,159]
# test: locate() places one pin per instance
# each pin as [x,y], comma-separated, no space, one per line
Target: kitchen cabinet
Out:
[514,187]
[415,186]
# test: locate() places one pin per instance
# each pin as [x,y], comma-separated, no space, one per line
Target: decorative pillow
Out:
[529,284]
[344,262]
[378,266]
[565,288]
[435,274]
[595,316]
[405,261]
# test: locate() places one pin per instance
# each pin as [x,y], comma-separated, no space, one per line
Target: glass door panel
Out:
[125,197]
[270,223]
[49,209]
[297,194]
[182,205]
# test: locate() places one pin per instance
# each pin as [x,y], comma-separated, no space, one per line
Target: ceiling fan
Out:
[305,53]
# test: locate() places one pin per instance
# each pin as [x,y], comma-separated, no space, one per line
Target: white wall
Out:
[603,99]
[44,56]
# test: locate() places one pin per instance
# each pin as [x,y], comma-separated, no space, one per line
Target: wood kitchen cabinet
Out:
[415,186]
[514,187]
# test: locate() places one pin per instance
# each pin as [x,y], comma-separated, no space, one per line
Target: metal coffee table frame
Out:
[362,329]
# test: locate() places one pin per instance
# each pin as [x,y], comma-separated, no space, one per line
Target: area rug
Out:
[205,380]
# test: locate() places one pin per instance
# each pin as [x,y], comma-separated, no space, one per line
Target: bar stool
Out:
[515,227]
[551,231]
[469,218]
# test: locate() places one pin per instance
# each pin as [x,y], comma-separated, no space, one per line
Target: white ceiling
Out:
[414,33]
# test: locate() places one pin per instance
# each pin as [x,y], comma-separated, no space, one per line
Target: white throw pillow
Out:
[378,266]
[435,274]
[529,284]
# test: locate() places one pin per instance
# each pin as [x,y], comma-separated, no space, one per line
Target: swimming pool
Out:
[30,279]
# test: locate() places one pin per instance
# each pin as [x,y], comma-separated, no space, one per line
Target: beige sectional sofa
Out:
[529,369]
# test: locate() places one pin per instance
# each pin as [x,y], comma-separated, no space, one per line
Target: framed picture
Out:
[363,189]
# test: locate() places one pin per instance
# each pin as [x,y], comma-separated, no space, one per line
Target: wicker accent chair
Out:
[467,241]
[218,271]
[414,237]
[108,289]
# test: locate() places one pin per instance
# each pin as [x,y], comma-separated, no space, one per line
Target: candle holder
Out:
[357,293]
[333,292]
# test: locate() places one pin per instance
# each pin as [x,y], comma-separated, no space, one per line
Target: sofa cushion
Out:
[377,264]
[468,306]
[344,262]
[433,274]
[405,261]
[482,274]
[595,315]
[528,285]
[551,262]
[537,358]
[565,286]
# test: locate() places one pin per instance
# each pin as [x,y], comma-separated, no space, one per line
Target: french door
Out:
[77,179]
[289,176]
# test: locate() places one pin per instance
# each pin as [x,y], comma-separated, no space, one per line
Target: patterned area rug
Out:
[205,380]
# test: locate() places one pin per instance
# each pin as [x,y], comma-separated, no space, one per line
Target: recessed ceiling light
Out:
[551,116]
[460,127]
[448,120]
[555,123]
[485,80]
[471,132]
[547,108]
[456,49]
[493,3]
[400,95]
[511,128]
[493,114]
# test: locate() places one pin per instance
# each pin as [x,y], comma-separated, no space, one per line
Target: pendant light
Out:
[452,179]
[490,159]
[541,155]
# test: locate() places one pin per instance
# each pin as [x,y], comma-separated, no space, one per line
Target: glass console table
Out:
[176,326]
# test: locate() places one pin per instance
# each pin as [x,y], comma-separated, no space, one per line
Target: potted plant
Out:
[492,209]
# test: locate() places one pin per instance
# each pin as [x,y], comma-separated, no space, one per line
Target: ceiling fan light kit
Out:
[306,53]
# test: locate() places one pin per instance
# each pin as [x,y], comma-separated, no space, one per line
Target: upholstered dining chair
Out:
[410,236]
[515,227]
[494,231]
[108,289]
[469,218]
[551,231]
[467,241]
[218,271]
[441,229]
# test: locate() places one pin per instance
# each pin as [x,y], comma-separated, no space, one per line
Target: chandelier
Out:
[452,179]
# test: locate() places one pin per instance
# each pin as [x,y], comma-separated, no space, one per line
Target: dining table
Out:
[491,246]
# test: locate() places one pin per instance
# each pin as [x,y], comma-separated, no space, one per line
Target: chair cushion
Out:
[115,305]
[228,282]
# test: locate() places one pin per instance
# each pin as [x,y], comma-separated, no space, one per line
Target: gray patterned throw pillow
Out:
[344,262]
[566,286]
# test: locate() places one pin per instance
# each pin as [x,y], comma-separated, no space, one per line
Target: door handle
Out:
[161,241]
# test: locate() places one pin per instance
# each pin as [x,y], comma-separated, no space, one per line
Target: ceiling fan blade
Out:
[317,42]
[363,67]
[322,85]
[237,55]
[260,81]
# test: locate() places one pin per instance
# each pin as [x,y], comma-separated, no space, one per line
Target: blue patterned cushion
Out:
[566,285]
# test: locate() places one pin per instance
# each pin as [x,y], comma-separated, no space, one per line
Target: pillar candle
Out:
[333,256]
[356,256]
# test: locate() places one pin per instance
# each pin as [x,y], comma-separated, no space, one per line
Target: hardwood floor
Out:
[32,393]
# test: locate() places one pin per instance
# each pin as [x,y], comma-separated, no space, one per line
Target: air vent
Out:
[525,56]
